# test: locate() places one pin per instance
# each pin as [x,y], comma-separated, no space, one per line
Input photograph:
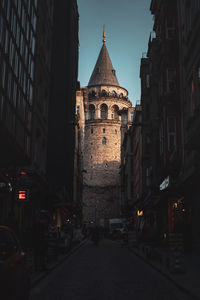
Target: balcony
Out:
[104,94]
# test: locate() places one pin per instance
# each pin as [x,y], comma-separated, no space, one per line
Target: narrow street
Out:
[108,271]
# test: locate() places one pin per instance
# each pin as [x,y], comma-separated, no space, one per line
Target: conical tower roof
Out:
[103,73]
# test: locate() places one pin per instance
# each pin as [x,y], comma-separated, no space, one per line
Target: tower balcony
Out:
[105,121]
[104,94]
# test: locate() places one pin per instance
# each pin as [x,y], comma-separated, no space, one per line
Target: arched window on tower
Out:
[92,112]
[104,111]
[114,94]
[104,93]
[104,141]
[115,110]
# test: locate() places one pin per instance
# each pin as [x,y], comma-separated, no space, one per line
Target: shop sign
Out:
[23,195]
[140,213]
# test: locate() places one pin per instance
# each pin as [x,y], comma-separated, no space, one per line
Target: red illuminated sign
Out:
[23,173]
[22,195]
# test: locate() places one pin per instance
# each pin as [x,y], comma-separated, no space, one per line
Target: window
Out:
[104,110]
[92,112]
[14,93]
[161,139]
[132,115]
[3,74]
[104,130]
[170,28]
[92,130]
[198,73]
[171,133]
[115,131]
[104,93]
[113,71]
[147,80]
[8,9]
[171,80]
[114,94]
[1,107]
[1,28]
[115,110]
[6,42]
[77,109]
[93,94]
[104,141]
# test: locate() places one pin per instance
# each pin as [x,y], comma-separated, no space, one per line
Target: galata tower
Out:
[102,141]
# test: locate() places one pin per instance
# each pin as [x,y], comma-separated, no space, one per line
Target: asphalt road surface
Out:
[108,271]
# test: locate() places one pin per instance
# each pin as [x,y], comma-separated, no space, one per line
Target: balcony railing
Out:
[107,95]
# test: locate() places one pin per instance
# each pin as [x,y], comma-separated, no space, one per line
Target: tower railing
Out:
[107,95]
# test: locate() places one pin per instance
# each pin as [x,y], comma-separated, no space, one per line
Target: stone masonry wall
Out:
[101,163]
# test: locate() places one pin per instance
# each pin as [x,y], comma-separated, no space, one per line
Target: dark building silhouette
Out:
[170,118]
[61,128]
[189,24]
[162,123]
[38,58]
[23,129]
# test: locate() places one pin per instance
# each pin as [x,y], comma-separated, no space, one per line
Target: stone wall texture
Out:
[101,162]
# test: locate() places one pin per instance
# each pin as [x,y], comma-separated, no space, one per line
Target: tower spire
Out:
[104,34]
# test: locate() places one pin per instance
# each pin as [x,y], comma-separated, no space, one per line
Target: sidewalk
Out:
[182,269]
[36,276]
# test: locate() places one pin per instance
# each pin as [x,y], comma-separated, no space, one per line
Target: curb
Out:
[34,282]
[185,290]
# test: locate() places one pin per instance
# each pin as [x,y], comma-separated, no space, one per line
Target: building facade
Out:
[131,164]
[61,112]
[102,141]
[162,201]
[170,132]
[189,24]
[38,81]
[23,127]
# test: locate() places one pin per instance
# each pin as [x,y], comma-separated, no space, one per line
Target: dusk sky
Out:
[128,26]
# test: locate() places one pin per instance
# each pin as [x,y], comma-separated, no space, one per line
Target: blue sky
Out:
[128,26]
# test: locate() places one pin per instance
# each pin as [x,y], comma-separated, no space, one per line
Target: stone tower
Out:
[102,141]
